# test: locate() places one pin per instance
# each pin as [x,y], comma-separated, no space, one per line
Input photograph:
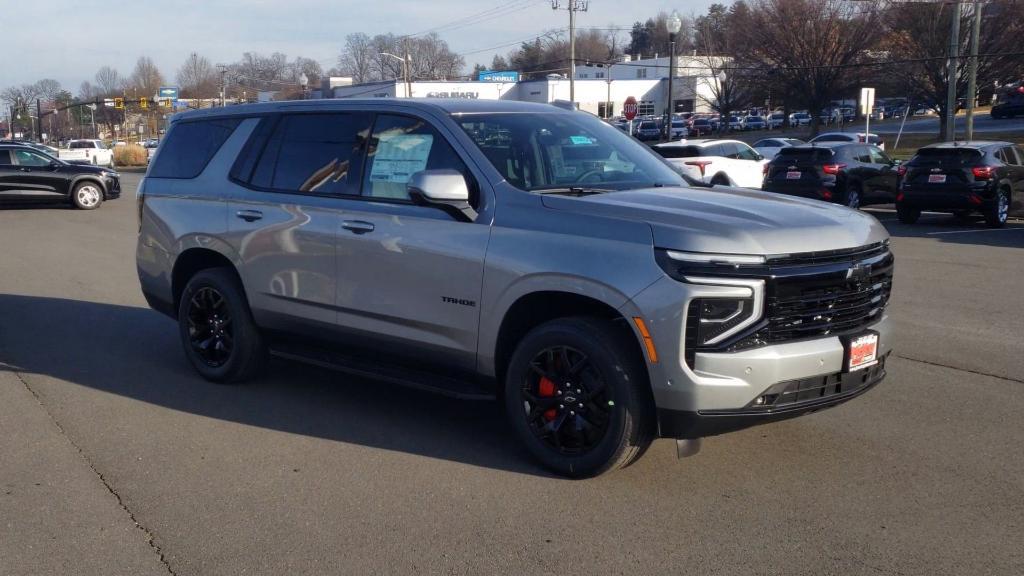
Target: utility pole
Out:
[39,119]
[405,69]
[951,73]
[972,75]
[573,6]
[223,85]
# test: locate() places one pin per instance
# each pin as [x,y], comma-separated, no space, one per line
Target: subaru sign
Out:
[168,93]
[498,76]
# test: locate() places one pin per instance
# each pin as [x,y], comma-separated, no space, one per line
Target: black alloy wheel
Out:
[577,395]
[220,337]
[566,400]
[210,331]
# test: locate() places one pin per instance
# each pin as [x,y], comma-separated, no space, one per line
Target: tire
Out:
[213,303]
[719,179]
[612,422]
[87,195]
[854,195]
[995,217]
[907,215]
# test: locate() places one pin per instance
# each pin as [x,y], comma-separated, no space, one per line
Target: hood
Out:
[75,168]
[732,220]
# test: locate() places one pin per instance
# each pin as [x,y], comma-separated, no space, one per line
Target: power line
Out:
[498,11]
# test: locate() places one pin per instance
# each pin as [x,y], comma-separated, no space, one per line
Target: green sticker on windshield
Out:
[580,140]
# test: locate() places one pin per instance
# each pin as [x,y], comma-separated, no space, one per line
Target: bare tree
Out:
[920,32]
[727,85]
[812,46]
[108,81]
[197,77]
[432,59]
[146,77]
[357,58]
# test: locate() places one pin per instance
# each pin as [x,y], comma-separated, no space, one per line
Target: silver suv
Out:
[511,250]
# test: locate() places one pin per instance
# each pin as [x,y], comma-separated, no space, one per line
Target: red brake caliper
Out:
[546,389]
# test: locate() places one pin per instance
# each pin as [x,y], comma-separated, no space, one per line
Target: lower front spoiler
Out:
[682,424]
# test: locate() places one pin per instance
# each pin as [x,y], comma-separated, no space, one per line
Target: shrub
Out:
[130,155]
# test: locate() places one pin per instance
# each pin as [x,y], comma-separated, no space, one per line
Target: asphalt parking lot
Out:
[115,458]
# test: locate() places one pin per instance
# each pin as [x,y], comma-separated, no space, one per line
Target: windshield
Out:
[544,151]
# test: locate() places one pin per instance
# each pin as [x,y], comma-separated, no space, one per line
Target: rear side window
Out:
[5,157]
[189,146]
[678,151]
[314,153]
[1008,156]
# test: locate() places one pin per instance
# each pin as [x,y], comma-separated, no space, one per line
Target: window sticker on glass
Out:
[580,140]
[399,156]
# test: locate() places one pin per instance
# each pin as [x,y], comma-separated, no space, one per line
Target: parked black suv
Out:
[962,178]
[1008,109]
[30,175]
[851,174]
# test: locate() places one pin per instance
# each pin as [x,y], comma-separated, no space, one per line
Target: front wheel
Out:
[995,217]
[577,395]
[87,196]
[217,330]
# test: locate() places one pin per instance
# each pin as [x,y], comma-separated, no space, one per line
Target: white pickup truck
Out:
[91,151]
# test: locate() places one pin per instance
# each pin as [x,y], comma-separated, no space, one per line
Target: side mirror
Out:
[444,189]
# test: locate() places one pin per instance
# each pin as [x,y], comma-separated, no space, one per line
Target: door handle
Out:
[249,215]
[357,226]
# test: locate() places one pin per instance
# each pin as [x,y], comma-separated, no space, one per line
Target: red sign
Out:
[629,108]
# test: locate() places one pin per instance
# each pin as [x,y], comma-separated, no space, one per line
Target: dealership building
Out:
[601,95]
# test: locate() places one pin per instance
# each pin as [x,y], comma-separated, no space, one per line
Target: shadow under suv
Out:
[510,250]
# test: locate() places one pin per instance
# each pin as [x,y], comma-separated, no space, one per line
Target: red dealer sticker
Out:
[863,352]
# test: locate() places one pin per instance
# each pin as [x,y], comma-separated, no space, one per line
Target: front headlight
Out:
[719,318]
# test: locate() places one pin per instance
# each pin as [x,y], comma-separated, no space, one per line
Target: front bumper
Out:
[719,393]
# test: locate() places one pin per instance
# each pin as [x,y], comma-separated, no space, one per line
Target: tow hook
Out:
[685,448]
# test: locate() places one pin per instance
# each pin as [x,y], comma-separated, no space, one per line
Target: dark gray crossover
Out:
[509,250]
[28,174]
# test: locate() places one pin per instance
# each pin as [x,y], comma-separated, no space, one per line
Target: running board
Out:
[408,377]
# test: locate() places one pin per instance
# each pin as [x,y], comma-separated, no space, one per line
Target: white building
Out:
[603,97]
[695,76]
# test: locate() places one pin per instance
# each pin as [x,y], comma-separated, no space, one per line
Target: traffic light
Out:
[119,103]
[143,103]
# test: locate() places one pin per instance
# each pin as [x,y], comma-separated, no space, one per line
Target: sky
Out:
[70,40]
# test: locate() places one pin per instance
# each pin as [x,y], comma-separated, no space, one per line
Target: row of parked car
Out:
[854,170]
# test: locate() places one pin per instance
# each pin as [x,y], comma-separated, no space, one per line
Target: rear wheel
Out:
[853,195]
[577,395]
[720,180]
[220,338]
[995,217]
[907,215]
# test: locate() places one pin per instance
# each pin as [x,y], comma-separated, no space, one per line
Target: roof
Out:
[443,105]
[694,142]
[969,144]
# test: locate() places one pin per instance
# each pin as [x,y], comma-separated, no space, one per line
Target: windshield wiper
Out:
[572,190]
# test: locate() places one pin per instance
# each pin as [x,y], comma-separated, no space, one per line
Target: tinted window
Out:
[313,153]
[27,158]
[678,151]
[1008,156]
[402,146]
[744,152]
[948,156]
[5,157]
[189,146]
[832,138]
[878,157]
[1020,155]
[793,154]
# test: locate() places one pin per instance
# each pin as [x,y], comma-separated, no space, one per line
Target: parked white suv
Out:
[726,162]
[94,152]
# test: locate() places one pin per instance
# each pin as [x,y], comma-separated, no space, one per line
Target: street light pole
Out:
[951,73]
[674,24]
[405,70]
[972,75]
